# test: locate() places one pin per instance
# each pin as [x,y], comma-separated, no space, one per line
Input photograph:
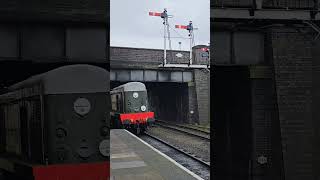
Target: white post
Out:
[191,37]
[165,42]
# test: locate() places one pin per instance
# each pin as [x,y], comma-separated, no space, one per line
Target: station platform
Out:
[133,159]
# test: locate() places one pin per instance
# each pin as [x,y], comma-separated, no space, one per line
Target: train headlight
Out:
[104,147]
[143,108]
[82,106]
[135,95]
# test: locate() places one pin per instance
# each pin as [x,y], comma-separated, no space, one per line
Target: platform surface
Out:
[133,159]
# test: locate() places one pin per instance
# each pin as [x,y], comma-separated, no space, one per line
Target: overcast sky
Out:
[131,25]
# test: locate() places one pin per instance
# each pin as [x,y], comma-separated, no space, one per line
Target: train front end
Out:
[62,125]
[137,115]
[130,109]
[78,120]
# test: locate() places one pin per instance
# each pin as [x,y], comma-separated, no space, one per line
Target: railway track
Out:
[184,129]
[199,128]
[190,161]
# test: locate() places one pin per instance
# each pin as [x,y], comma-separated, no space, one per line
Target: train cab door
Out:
[119,103]
[119,109]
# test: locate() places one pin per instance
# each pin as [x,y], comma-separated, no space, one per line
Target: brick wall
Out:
[140,57]
[316,105]
[193,114]
[265,135]
[202,84]
[293,77]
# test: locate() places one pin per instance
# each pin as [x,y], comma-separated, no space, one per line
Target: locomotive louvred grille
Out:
[35,131]
[2,129]
[24,128]
[13,141]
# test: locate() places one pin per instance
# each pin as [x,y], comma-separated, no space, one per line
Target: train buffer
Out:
[133,159]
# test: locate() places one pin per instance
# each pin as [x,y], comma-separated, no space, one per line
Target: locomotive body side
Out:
[63,127]
[20,120]
[130,107]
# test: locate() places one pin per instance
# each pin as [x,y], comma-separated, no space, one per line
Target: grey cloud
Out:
[131,26]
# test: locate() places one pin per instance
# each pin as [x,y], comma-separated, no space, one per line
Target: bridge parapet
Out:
[142,57]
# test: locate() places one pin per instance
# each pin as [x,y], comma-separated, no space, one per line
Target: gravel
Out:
[189,163]
[185,129]
[190,144]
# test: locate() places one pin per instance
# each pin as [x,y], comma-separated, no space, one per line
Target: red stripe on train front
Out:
[137,116]
[90,171]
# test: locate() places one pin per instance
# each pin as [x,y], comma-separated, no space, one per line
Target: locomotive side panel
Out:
[21,129]
[78,124]
[117,107]
[2,129]
[36,137]
[12,126]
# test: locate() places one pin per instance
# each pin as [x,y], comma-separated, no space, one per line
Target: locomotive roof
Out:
[80,78]
[132,86]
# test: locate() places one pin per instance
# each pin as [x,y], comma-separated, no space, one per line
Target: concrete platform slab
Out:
[133,159]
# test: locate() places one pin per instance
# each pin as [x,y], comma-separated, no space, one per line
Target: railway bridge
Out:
[265,59]
[36,36]
[175,94]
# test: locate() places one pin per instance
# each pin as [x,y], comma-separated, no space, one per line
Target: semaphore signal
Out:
[154,14]
[190,28]
[164,15]
[181,27]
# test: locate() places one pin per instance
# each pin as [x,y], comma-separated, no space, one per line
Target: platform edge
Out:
[167,157]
